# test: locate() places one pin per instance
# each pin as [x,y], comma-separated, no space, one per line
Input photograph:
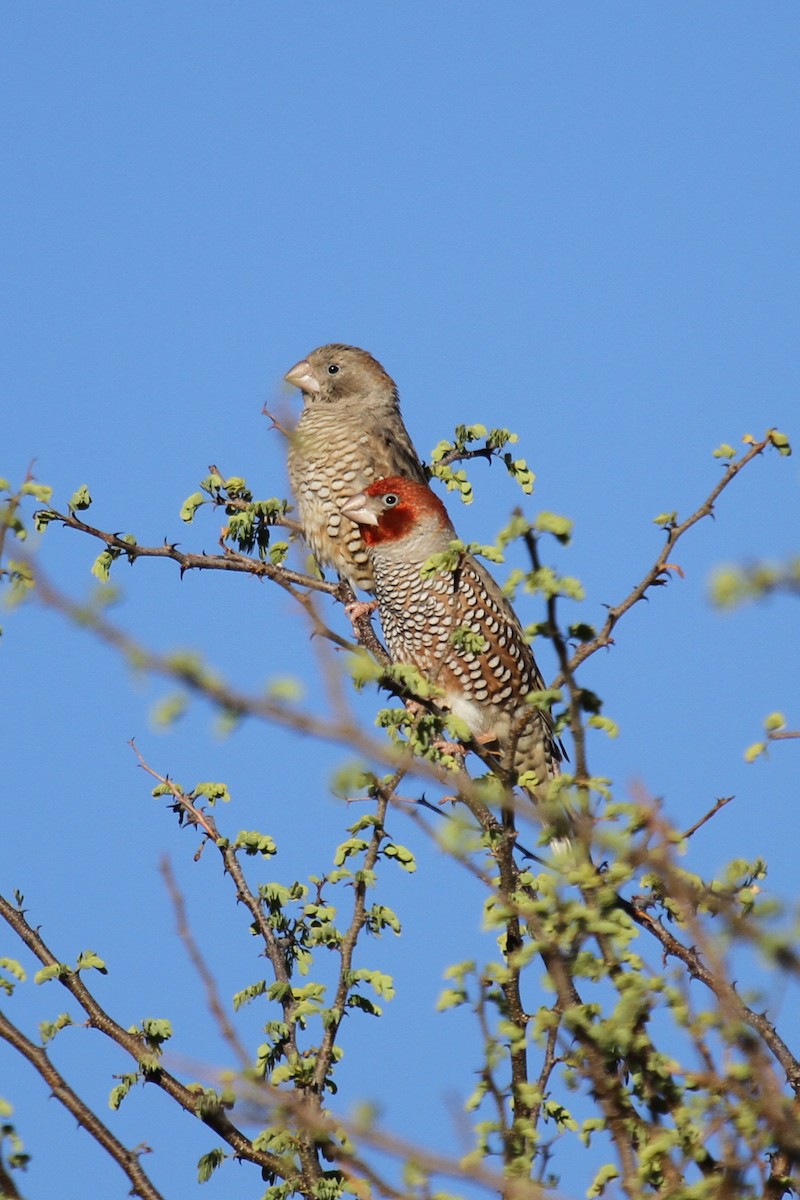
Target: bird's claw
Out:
[356,610]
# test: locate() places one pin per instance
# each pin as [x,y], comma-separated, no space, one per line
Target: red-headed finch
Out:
[454,625]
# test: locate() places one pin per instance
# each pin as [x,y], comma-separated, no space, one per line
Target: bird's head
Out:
[337,374]
[398,511]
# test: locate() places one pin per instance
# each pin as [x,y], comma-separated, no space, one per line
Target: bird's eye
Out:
[333,369]
[390,499]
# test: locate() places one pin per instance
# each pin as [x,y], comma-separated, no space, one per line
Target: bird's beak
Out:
[358,509]
[302,376]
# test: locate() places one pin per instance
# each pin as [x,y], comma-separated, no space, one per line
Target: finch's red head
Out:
[395,508]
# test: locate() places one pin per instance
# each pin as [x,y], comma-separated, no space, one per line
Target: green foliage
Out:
[731,586]
[780,442]
[400,854]
[666,519]
[16,1157]
[89,961]
[156,1032]
[169,710]
[49,1029]
[605,723]
[10,966]
[774,727]
[286,689]
[208,1164]
[53,971]
[606,980]
[118,1094]
[80,500]
[560,527]
[464,638]
[461,446]
[40,491]
[248,520]
[253,842]
[101,568]
[212,792]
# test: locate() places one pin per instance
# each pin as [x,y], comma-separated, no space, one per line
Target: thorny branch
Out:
[628,1127]
[657,574]
[137,1046]
[60,1090]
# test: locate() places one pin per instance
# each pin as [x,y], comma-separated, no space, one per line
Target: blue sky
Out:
[576,220]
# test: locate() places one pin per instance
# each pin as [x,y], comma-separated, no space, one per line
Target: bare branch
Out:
[215,1005]
[712,812]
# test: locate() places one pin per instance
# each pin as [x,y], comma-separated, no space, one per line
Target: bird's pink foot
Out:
[359,609]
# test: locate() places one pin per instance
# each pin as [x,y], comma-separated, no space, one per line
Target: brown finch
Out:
[349,434]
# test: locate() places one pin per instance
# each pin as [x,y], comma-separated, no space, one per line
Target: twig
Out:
[656,573]
[215,1005]
[711,813]
[231,560]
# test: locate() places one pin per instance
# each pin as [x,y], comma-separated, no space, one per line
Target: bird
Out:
[455,626]
[349,434]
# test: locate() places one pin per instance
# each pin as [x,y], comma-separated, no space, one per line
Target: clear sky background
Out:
[578,220]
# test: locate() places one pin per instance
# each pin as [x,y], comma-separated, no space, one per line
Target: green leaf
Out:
[49,1029]
[208,1163]
[169,710]
[754,751]
[53,971]
[41,491]
[582,632]
[601,1179]
[543,699]
[666,518]
[774,722]
[250,993]
[89,961]
[14,968]
[605,723]
[102,564]
[401,855]
[450,998]
[379,917]
[560,527]
[212,484]
[256,843]
[780,442]
[382,983]
[285,688]
[348,848]
[118,1094]
[157,1030]
[212,792]
[363,1004]
[42,518]
[351,779]
[237,488]
[190,506]
[464,638]
[80,499]
[724,451]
